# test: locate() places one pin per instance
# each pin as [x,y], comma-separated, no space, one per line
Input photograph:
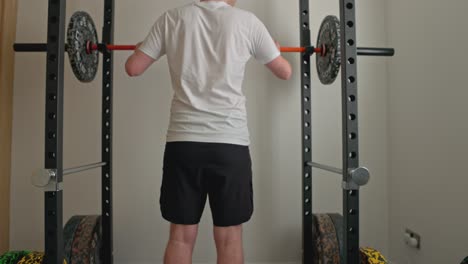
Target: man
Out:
[207,44]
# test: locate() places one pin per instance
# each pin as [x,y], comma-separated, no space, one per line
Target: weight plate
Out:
[12,257]
[81,30]
[95,256]
[329,39]
[84,246]
[372,256]
[69,234]
[465,261]
[328,247]
[315,240]
[34,258]
[337,220]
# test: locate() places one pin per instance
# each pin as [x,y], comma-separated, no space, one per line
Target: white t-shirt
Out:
[208,45]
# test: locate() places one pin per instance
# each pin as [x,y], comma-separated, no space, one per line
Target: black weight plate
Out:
[329,248]
[12,257]
[96,242]
[465,261]
[84,246]
[315,240]
[329,39]
[337,220]
[81,30]
[69,234]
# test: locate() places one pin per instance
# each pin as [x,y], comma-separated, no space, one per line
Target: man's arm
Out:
[138,63]
[280,66]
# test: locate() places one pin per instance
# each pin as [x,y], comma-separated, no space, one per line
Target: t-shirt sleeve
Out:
[263,47]
[154,44]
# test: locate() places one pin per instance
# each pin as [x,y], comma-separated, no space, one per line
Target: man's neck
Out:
[225,1]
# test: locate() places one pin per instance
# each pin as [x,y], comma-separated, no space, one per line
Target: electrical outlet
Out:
[412,239]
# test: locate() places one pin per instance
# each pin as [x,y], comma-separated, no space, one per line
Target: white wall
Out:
[428,128]
[141,116]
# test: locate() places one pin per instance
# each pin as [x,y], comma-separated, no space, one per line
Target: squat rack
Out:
[350,135]
[54,133]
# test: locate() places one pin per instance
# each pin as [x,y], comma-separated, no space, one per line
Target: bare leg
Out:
[229,244]
[181,243]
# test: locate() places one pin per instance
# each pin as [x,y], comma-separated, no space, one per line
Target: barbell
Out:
[83,48]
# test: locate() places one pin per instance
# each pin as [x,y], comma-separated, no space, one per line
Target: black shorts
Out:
[193,171]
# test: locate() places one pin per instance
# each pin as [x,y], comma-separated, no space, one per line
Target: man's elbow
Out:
[131,70]
[286,74]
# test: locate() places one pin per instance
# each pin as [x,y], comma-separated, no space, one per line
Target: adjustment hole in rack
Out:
[352,117]
[307,213]
[307,137]
[352,193]
[305,25]
[52,97]
[305,13]
[307,150]
[52,77]
[351,60]
[350,24]
[51,135]
[306,87]
[349,5]
[307,112]
[352,136]
[350,42]
[352,155]
[352,98]
[351,79]
[307,175]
